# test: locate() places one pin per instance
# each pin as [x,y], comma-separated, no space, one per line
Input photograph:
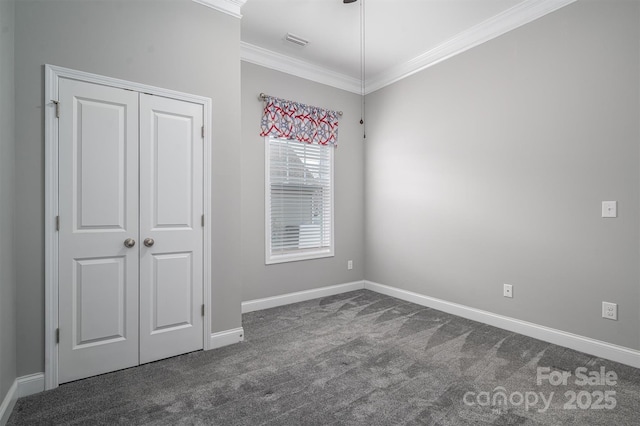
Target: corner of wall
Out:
[8,356]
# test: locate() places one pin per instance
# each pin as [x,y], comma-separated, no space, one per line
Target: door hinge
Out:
[202,310]
[57,335]
[202,221]
[57,223]
[202,132]
[57,104]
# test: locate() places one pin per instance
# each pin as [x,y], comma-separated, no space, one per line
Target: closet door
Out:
[98,213]
[171,233]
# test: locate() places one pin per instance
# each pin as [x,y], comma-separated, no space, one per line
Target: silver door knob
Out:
[148,242]
[129,242]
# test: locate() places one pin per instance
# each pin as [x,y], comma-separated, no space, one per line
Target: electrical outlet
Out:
[349,264]
[507,290]
[610,311]
[609,209]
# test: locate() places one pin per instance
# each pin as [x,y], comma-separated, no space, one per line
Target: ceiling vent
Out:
[296,40]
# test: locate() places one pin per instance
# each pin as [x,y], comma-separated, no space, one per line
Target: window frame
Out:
[300,254]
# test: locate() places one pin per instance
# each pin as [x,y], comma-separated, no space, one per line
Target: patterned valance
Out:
[291,120]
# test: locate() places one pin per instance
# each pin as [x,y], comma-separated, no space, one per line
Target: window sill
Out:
[295,257]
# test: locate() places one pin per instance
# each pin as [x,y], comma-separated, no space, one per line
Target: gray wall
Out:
[490,168]
[487,168]
[260,280]
[7,157]
[175,44]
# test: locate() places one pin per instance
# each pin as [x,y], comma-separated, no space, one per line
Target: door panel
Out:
[98,209]
[172,168]
[100,162]
[172,288]
[171,194]
[99,290]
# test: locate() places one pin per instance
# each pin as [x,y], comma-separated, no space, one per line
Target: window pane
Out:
[299,199]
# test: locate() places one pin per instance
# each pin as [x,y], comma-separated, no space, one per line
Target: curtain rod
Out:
[262,97]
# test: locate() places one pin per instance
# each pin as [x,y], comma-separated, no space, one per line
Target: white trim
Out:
[300,254]
[54,71]
[52,75]
[8,403]
[279,62]
[510,19]
[30,384]
[565,339]
[300,296]
[22,386]
[296,257]
[208,219]
[226,338]
[558,337]
[230,7]
[50,234]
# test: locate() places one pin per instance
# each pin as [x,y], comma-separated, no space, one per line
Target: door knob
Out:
[148,242]
[129,242]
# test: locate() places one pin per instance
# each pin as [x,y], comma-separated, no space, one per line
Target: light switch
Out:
[609,209]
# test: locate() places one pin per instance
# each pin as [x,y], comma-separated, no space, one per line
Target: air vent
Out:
[296,40]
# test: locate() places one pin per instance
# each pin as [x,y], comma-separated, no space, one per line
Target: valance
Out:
[294,121]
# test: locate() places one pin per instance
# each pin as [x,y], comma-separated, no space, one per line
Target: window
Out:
[298,200]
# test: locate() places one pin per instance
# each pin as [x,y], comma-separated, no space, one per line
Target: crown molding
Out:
[230,7]
[510,19]
[279,62]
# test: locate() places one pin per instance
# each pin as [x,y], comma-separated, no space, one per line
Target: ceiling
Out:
[401,36]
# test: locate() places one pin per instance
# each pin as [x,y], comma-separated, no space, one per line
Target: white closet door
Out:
[98,199]
[171,207]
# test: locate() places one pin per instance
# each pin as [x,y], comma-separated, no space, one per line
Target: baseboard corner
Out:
[606,350]
[300,296]
[226,338]
[22,386]
[30,384]
[9,401]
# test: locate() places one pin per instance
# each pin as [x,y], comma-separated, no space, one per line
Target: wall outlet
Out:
[610,311]
[507,290]
[609,209]
[349,264]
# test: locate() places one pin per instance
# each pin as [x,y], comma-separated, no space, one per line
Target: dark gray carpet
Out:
[358,358]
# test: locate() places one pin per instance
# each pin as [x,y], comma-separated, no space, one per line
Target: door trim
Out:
[52,75]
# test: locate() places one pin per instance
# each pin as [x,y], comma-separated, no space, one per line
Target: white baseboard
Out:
[299,296]
[34,383]
[226,338]
[28,385]
[587,345]
[22,386]
[8,403]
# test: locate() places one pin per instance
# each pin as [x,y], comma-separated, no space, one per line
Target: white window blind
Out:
[299,200]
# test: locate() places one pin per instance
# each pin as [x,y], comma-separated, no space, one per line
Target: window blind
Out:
[299,200]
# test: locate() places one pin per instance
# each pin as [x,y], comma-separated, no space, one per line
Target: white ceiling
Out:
[401,36]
